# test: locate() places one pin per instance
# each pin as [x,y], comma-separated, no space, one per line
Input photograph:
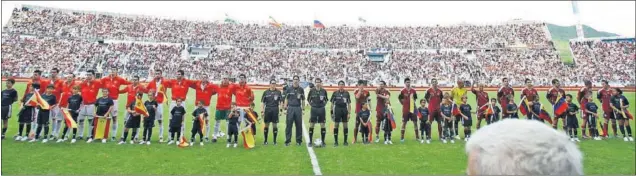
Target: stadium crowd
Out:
[67,38]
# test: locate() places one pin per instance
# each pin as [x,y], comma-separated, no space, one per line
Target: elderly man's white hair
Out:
[522,147]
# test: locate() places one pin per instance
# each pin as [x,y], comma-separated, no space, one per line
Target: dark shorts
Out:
[149,122]
[271,115]
[340,114]
[133,122]
[174,129]
[26,115]
[468,122]
[572,121]
[618,115]
[436,115]
[43,117]
[317,115]
[221,114]
[6,112]
[409,116]
[561,116]
[232,129]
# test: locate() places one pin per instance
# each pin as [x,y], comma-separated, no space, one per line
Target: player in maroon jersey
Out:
[434,96]
[502,94]
[362,96]
[580,97]
[383,96]
[604,95]
[407,98]
[554,93]
[529,92]
[481,97]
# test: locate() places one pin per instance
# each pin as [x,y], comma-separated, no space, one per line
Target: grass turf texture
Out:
[611,156]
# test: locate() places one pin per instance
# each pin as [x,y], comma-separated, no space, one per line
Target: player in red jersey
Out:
[223,105]
[481,97]
[89,90]
[604,95]
[35,78]
[204,91]
[529,92]
[244,97]
[131,90]
[362,96]
[434,97]
[113,82]
[382,95]
[502,94]
[160,85]
[55,113]
[581,97]
[67,91]
[553,94]
[407,98]
[179,90]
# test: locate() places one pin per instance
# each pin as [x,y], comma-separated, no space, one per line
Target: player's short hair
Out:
[272,81]
[105,89]
[490,153]
[136,77]
[620,92]
[179,99]
[200,102]
[341,82]
[604,81]
[91,72]
[493,99]
[433,79]
[407,79]
[527,79]
[158,70]
[50,86]
[504,79]
[568,95]
[363,103]
[509,96]
[383,83]
[11,80]
[242,75]
[318,79]
[139,94]
[72,75]
[360,82]
[554,81]
[422,100]
[76,87]
[587,82]
[295,77]
[38,72]
[56,70]
[181,71]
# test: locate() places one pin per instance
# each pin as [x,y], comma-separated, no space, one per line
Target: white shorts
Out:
[56,114]
[114,112]
[87,111]
[159,113]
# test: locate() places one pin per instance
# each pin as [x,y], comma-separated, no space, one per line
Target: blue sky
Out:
[611,16]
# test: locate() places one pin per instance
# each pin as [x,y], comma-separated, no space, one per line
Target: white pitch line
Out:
[312,154]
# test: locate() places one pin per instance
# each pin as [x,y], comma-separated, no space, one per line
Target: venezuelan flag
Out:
[545,116]
[68,118]
[391,119]
[370,130]
[560,106]
[456,111]
[318,25]
[486,109]
[523,107]
[627,114]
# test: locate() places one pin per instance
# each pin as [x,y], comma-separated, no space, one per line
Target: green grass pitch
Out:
[611,156]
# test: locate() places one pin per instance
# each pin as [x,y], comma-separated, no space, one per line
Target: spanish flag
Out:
[102,128]
[370,130]
[202,123]
[33,101]
[274,23]
[68,118]
[36,100]
[183,142]
[160,90]
[140,108]
[248,138]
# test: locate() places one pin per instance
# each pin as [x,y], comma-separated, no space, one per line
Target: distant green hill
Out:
[562,34]
[569,32]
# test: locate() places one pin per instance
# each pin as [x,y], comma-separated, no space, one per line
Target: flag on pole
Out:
[362,20]
[102,128]
[274,23]
[68,118]
[391,118]
[183,142]
[140,108]
[33,101]
[202,123]
[544,115]
[229,20]
[523,106]
[248,138]
[456,111]
[36,100]
[318,25]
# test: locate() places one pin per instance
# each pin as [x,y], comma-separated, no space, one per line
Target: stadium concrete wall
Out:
[332,88]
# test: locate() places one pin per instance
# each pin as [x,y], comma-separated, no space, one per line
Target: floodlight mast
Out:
[579,26]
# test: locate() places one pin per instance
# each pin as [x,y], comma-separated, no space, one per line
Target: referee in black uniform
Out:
[294,98]
[342,101]
[270,102]
[317,100]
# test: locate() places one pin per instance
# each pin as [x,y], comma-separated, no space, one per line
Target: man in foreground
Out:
[502,149]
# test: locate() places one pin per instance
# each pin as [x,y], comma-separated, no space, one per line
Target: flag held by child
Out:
[183,142]
[560,106]
[523,107]
[202,123]
[456,111]
[544,115]
[248,138]
[68,118]
[140,108]
[391,119]
[102,128]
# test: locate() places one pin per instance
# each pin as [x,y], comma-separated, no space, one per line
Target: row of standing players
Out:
[293,97]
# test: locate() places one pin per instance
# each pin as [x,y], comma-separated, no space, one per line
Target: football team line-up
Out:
[54,100]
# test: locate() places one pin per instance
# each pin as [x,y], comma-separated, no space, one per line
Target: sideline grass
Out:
[611,156]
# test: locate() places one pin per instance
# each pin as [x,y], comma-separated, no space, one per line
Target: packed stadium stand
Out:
[42,38]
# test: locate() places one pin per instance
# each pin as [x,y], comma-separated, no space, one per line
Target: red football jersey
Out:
[553,94]
[604,95]
[408,96]
[530,94]
[434,98]
[113,84]
[363,98]
[381,102]
[203,92]
[89,90]
[482,97]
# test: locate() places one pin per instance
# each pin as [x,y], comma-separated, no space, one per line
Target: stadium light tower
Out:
[579,26]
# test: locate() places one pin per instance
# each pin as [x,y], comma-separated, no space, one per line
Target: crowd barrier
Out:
[350,88]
